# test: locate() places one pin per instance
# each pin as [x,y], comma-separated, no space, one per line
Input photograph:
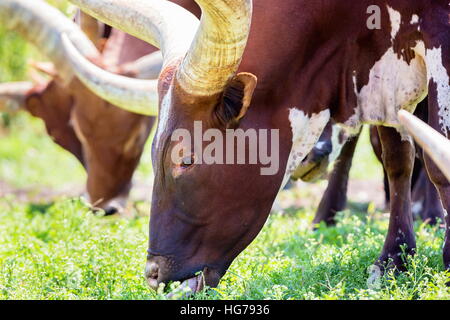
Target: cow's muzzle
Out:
[156,272]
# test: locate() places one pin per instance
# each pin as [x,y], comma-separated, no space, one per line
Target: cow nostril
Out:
[151,274]
[109,211]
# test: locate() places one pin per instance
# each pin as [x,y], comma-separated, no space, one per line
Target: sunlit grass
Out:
[63,251]
[365,166]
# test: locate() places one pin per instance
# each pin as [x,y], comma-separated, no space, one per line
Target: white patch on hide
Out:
[396,20]
[305,134]
[414,19]
[164,113]
[336,143]
[393,85]
[119,203]
[440,76]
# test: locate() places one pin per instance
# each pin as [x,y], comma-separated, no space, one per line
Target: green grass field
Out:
[59,249]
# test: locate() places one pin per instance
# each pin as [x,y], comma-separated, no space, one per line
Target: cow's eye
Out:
[182,166]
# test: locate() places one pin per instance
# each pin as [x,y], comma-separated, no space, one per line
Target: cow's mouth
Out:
[189,286]
[193,281]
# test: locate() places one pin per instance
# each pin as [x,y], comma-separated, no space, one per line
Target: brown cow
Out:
[108,141]
[354,72]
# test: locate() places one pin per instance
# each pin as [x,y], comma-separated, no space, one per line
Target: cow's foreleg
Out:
[335,197]
[398,159]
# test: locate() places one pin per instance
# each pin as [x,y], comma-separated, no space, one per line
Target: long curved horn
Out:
[219,44]
[43,25]
[134,95]
[13,94]
[434,144]
[52,32]
[211,53]
[158,22]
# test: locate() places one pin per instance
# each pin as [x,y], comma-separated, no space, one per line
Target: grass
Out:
[61,250]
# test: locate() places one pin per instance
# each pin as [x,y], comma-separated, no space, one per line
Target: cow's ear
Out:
[34,105]
[34,102]
[236,98]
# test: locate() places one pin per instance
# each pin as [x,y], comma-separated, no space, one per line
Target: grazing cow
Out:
[329,60]
[106,140]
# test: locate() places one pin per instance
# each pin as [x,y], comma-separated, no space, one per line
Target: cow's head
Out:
[202,215]
[53,104]
[81,123]
[113,141]
[107,140]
